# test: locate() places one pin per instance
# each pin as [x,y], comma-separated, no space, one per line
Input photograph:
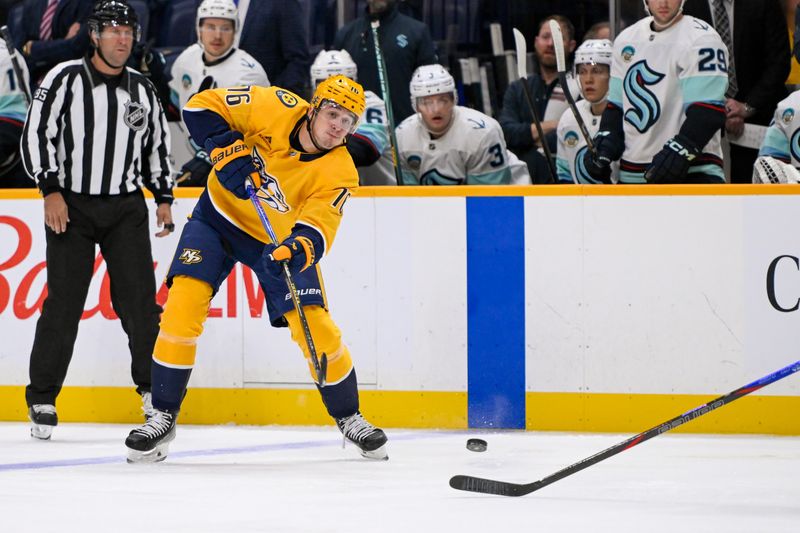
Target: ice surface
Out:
[282,479]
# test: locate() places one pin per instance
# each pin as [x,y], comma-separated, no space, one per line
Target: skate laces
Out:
[158,424]
[147,405]
[44,409]
[355,427]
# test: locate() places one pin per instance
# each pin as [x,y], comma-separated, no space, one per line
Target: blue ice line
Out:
[9,467]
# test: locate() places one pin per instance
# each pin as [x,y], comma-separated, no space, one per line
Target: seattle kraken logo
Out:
[646,110]
[270,191]
[794,145]
[581,174]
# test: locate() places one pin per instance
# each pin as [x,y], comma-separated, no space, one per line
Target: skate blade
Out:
[379,454]
[156,455]
[41,432]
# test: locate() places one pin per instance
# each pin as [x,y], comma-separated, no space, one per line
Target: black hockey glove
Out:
[672,163]
[608,150]
[298,250]
[195,172]
[232,161]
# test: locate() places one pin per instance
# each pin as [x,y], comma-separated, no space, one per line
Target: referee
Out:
[96,133]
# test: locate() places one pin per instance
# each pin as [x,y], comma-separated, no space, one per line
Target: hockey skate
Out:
[150,442]
[370,440]
[43,420]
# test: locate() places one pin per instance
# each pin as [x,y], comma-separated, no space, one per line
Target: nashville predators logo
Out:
[190,257]
[270,191]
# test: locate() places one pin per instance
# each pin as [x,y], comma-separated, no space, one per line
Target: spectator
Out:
[293,152]
[446,144]
[211,62]
[369,145]
[405,42]
[666,103]
[548,99]
[593,69]
[13,108]
[275,33]
[52,31]
[756,37]
[87,156]
[599,30]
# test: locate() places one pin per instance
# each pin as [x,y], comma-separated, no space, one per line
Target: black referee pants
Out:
[119,224]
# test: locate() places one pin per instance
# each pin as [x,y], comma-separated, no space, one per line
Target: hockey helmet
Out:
[114,13]
[428,80]
[331,62]
[594,52]
[217,9]
[342,92]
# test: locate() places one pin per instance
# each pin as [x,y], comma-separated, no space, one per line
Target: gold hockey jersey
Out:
[295,186]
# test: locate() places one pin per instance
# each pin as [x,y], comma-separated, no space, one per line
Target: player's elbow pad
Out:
[362,150]
[702,122]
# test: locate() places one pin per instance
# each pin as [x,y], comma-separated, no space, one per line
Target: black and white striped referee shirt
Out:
[96,135]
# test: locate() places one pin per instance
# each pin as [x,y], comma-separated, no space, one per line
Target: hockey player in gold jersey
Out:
[294,154]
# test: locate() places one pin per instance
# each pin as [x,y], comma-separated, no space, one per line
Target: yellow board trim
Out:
[417,191]
[586,413]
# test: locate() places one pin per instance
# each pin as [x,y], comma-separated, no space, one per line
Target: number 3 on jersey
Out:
[707,57]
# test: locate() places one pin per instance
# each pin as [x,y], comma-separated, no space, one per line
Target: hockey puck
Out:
[476,445]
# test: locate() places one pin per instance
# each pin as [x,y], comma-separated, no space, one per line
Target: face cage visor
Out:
[333,112]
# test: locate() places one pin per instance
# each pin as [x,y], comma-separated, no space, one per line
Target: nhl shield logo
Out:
[135,116]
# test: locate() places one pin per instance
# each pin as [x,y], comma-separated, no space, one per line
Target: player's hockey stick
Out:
[387,100]
[503,488]
[558,43]
[320,365]
[522,50]
[12,52]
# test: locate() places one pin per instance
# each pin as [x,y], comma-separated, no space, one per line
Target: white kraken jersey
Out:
[190,74]
[655,77]
[471,152]
[782,140]
[572,146]
[373,127]
[12,100]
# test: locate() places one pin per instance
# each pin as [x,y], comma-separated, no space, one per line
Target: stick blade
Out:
[558,44]
[522,50]
[489,486]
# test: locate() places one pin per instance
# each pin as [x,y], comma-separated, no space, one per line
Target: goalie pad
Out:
[770,170]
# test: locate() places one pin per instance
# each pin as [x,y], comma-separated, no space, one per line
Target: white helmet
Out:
[331,62]
[217,9]
[594,52]
[431,79]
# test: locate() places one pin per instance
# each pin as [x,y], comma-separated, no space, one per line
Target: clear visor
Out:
[343,118]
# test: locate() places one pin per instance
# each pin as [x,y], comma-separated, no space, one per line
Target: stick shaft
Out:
[490,486]
[387,101]
[319,369]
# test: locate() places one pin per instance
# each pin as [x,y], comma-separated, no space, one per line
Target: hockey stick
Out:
[12,52]
[521,47]
[558,43]
[320,365]
[503,488]
[387,100]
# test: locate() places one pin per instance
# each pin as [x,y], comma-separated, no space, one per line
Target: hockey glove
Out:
[672,163]
[298,250]
[608,150]
[195,172]
[231,159]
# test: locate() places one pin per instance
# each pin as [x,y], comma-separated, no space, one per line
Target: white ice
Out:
[280,479]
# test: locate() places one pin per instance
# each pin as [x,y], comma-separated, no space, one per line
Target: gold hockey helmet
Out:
[342,92]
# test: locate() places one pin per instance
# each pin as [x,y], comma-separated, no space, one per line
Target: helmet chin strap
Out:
[670,22]
[311,133]
[100,54]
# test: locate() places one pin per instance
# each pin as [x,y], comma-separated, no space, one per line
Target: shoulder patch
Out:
[788,115]
[627,53]
[286,98]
